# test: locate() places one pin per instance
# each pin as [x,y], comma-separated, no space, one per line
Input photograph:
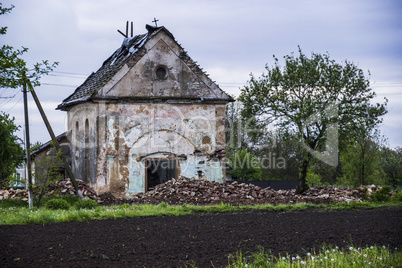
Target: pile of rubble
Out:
[192,191]
[13,194]
[65,188]
[203,192]
[62,188]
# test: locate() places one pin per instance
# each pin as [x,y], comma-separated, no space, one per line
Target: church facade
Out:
[149,114]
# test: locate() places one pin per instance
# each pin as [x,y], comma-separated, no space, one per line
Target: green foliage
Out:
[35,146]
[235,129]
[312,177]
[162,205]
[125,206]
[17,203]
[390,161]
[360,159]
[11,151]
[245,166]
[57,203]
[86,204]
[327,256]
[47,172]
[312,97]
[25,215]
[71,199]
[382,195]
[14,74]
[279,155]
[398,196]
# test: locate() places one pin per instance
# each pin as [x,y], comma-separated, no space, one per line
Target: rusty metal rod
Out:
[122,33]
[49,128]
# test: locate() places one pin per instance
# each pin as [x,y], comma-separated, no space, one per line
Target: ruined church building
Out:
[147,115]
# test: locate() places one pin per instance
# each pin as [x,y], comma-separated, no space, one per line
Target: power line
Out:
[14,104]
[57,72]
[8,100]
[69,76]
[58,85]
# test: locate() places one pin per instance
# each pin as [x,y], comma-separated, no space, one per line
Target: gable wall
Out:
[140,80]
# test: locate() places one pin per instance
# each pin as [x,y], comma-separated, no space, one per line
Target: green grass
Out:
[15,212]
[327,256]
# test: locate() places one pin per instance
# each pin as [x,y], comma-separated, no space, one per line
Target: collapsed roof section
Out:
[127,74]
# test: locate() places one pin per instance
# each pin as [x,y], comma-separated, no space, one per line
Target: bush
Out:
[86,204]
[162,205]
[18,203]
[57,204]
[381,195]
[71,199]
[398,196]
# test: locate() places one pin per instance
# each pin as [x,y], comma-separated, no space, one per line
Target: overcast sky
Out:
[229,40]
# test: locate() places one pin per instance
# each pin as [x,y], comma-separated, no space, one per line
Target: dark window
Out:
[77,130]
[161,72]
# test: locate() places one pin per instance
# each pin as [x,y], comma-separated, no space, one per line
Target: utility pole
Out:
[27,148]
[55,141]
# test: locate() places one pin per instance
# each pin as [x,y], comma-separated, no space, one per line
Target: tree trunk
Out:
[303,175]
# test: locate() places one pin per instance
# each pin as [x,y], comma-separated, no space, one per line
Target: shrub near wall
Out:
[57,204]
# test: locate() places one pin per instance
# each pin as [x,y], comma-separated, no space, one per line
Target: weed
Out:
[381,195]
[125,206]
[86,204]
[328,256]
[7,203]
[57,204]
[162,205]
[24,215]
[71,199]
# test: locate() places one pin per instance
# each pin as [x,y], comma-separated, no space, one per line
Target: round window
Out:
[161,72]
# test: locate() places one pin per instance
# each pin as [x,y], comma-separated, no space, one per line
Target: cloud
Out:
[229,39]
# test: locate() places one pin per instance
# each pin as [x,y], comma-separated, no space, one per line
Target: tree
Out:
[360,163]
[11,152]
[245,166]
[319,99]
[391,162]
[235,133]
[276,153]
[279,154]
[48,170]
[14,73]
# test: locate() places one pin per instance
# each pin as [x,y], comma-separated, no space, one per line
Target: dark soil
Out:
[205,240]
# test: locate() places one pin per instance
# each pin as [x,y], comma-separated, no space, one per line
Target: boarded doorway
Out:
[159,171]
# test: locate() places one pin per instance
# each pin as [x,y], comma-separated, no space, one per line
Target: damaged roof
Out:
[130,52]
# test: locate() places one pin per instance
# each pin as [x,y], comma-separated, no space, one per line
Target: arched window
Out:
[86,133]
[77,130]
[86,155]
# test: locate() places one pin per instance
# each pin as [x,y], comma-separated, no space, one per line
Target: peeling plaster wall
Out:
[122,136]
[136,132]
[82,121]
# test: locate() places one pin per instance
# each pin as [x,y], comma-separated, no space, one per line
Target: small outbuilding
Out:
[149,114]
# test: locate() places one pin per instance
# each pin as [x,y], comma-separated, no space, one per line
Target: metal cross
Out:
[155,21]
